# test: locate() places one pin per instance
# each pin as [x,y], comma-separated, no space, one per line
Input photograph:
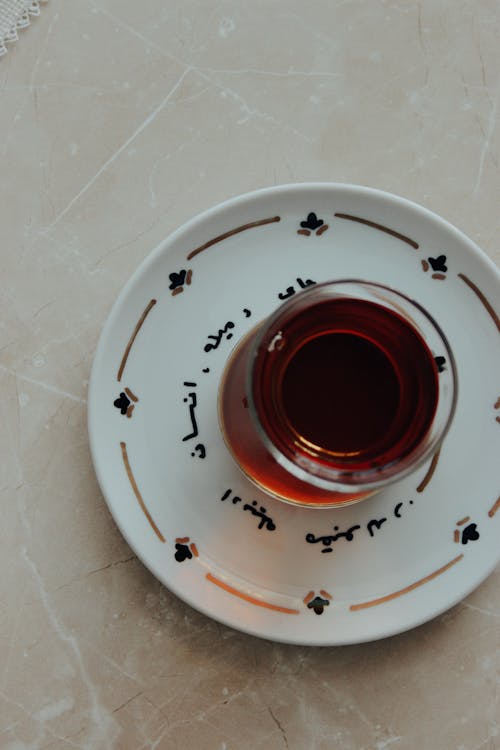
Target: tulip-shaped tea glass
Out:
[349,386]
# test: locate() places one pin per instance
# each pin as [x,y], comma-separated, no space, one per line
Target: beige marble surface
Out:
[118,121]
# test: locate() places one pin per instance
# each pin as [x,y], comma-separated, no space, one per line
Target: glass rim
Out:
[335,478]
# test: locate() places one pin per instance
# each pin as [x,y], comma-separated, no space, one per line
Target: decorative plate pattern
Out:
[368,570]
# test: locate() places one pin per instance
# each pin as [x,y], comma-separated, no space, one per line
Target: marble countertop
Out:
[119,120]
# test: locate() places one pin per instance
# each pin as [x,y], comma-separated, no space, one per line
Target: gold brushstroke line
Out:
[194,549]
[132,338]
[321,230]
[249,598]
[305,232]
[432,468]
[325,594]
[407,589]
[130,410]
[308,597]
[381,228]
[463,520]
[131,395]
[231,232]
[189,276]
[488,307]
[177,291]
[456,536]
[439,276]
[494,508]
[138,494]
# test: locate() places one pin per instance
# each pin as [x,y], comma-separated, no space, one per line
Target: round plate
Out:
[293,574]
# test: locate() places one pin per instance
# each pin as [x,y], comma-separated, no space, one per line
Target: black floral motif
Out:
[182,552]
[438,264]
[122,403]
[466,534]
[470,533]
[178,279]
[318,604]
[312,222]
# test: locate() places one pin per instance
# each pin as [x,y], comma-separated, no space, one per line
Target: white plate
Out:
[286,573]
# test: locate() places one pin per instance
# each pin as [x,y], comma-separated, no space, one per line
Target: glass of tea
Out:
[348,387]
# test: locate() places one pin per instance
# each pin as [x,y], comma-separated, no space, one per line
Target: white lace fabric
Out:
[15,15]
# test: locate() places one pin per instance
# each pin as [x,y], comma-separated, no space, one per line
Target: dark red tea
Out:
[346,383]
[343,410]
